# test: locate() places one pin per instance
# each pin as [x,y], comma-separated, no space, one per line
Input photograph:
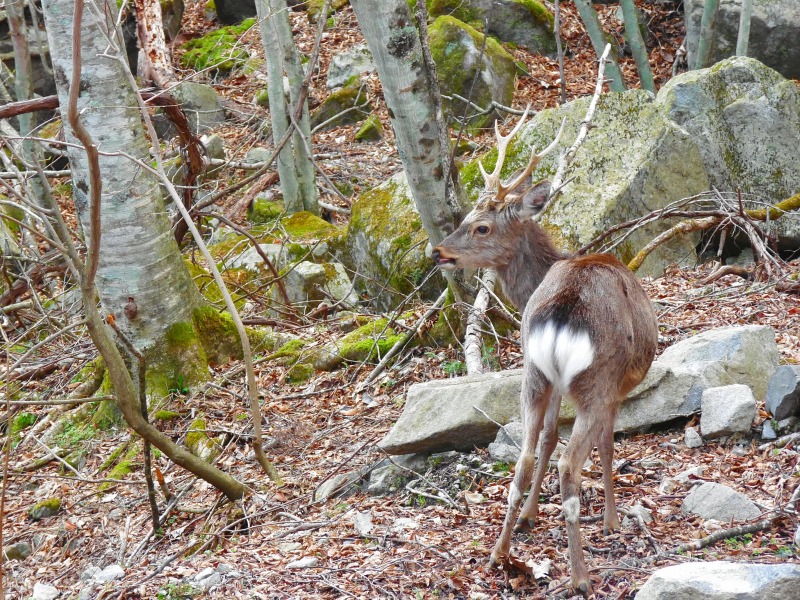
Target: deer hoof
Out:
[584,588]
[523,525]
[498,559]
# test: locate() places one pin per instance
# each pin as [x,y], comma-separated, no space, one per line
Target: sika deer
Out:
[588,332]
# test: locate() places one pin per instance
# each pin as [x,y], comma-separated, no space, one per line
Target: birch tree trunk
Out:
[155,54]
[393,39]
[638,47]
[295,169]
[708,25]
[140,265]
[743,39]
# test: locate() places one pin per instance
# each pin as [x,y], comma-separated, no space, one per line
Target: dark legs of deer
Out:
[533,415]
[606,449]
[584,434]
[530,509]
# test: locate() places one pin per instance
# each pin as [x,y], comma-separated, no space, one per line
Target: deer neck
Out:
[527,267]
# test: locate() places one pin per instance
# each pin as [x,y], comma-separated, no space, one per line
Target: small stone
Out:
[797,537]
[207,579]
[362,522]
[716,501]
[668,486]
[726,410]
[18,551]
[289,547]
[783,392]
[768,431]
[787,425]
[89,573]
[637,510]
[692,438]
[45,508]
[309,562]
[44,591]
[690,476]
[110,573]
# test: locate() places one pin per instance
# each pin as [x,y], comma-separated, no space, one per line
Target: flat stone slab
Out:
[716,501]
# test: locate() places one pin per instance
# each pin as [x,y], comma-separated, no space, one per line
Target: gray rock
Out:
[783,392]
[691,438]
[341,485]
[716,501]
[257,155]
[388,476]
[787,425]
[637,510]
[251,260]
[309,562]
[201,104]
[773,30]
[18,551]
[508,443]
[690,476]
[344,65]
[768,431]
[724,127]
[44,591]
[797,537]
[528,24]
[362,523]
[436,417]
[110,573]
[727,410]
[464,62]
[439,415]
[231,12]
[308,284]
[207,579]
[90,572]
[722,580]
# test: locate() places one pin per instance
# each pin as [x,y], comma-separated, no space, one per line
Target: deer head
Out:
[499,233]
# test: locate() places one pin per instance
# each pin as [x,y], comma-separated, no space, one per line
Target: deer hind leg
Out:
[584,433]
[534,406]
[606,449]
[530,509]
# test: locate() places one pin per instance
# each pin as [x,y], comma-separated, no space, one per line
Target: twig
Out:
[781,441]
[724,534]
[565,160]
[443,496]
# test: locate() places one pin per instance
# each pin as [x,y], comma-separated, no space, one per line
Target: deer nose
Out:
[435,255]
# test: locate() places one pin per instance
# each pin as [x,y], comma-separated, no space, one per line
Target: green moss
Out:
[219,50]
[107,416]
[371,130]
[262,98]
[22,421]
[126,465]
[199,443]
[314,8]
[45,508]
[305,226]
[368,341]
[338,101]
[114,456]
[217,332]
[454,8]
[166,415]
[300,372]
[265,211]
[457,68]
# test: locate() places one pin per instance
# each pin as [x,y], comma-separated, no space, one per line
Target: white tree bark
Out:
[394,41]
[139,258]
[295,169]
[153,41]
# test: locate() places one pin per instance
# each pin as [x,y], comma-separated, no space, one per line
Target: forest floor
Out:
[408,544]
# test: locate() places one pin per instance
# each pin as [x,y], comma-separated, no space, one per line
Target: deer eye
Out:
[482,229]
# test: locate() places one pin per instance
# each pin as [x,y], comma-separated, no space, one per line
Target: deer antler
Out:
[493,180]
[503,189]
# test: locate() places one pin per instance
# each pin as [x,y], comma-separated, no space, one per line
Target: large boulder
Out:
[351,62]
[774,27]
[726,127]
[722,580]
[385,245]
[462,67]
[231,12]
[783,393]
[528,23]
[443,415]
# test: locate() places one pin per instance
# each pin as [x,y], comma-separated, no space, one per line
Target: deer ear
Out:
[534,199]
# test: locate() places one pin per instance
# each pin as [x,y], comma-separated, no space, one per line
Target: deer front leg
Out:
[569,467]
[530,509]
[606,450]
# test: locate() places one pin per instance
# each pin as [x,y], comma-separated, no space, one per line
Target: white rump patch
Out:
[560,353]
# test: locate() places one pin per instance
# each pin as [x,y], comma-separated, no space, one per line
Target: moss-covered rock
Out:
[218,50]
[385,245]
[333,107]
[199,442]
[368,342]
[525,22]
[300,372]
[314,8]
[45,508]
[308,284]
[262,98]
[264,210]
[165,415]
[461,67]
[726,127]
[371,130]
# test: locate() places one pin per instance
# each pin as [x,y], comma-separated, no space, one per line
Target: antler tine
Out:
[493,180]
[502,190]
